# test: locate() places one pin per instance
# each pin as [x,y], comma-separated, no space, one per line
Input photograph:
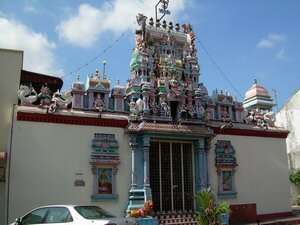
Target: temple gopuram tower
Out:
[167,118]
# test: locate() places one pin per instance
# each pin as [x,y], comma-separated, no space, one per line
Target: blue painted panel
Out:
[147,221]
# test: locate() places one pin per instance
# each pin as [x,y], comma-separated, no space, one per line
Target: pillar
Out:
[145,147]
[207,148]
[133,144]
[200,166]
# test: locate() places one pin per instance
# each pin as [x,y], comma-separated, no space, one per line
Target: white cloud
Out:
[29,9]
[276,42]
[82,29]
[280,55]
[265,43]
[272,40]
[38,50]
[89,23]
[277,37]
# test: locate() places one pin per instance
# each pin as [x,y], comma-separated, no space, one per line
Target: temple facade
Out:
[160,137]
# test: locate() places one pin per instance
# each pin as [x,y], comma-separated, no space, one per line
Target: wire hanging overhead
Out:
[218,68]
[104,51]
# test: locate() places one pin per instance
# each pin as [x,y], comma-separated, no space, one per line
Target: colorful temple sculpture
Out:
[161,137]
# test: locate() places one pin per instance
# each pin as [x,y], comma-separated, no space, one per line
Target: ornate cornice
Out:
[248,132]
[93,121]
[75,120]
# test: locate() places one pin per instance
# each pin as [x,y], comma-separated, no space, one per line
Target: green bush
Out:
[295,176]
[209,212]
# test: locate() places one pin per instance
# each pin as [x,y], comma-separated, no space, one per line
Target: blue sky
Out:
[246,39]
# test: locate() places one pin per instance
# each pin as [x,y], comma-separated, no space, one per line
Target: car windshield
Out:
[92,212]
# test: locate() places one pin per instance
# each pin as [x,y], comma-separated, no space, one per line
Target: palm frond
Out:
[209,213]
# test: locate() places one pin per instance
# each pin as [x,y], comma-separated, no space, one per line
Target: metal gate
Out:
[171,175]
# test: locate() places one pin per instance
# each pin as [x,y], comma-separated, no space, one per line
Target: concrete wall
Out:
[289,117]
[261,175]
[45,159]
[10,71]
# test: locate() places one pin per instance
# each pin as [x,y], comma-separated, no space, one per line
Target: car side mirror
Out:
[18,221]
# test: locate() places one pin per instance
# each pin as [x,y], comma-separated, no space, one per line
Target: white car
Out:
[71,215]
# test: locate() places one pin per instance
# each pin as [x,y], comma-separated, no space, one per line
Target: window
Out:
[92,212]
[35,217]
[59,215]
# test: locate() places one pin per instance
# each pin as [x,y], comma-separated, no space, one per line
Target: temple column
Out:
[207,148]
[200,166]
[145,147]
[133,144]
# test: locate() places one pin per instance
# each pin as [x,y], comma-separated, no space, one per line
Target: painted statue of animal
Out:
[24,94]
[270,118]
[248,116]
[145,212]
[60,101]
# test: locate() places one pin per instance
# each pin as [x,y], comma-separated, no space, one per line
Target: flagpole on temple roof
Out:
[162,10]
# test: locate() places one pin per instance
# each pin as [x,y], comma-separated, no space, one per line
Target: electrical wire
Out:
[104,51]
[126,31]
[218,68]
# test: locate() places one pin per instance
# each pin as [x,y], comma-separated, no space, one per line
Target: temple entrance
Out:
[171,175]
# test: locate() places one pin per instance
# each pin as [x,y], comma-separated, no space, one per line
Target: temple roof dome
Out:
[257,90]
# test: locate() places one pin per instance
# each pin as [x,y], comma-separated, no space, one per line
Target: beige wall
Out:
[261,175]
[10,70]
[289,117]
[45,159]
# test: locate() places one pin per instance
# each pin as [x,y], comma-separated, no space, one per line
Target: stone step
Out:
[180,223]
[180,219]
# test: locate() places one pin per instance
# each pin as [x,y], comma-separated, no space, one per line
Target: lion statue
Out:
[145,212]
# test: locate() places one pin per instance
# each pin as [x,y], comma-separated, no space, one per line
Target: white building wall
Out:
[261,175]
[289,118]
[10,70]
[45,160]
[47,156]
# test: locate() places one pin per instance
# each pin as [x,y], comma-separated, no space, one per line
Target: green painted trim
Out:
[105,151]
[105,198]
[172,137]
[228,195]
